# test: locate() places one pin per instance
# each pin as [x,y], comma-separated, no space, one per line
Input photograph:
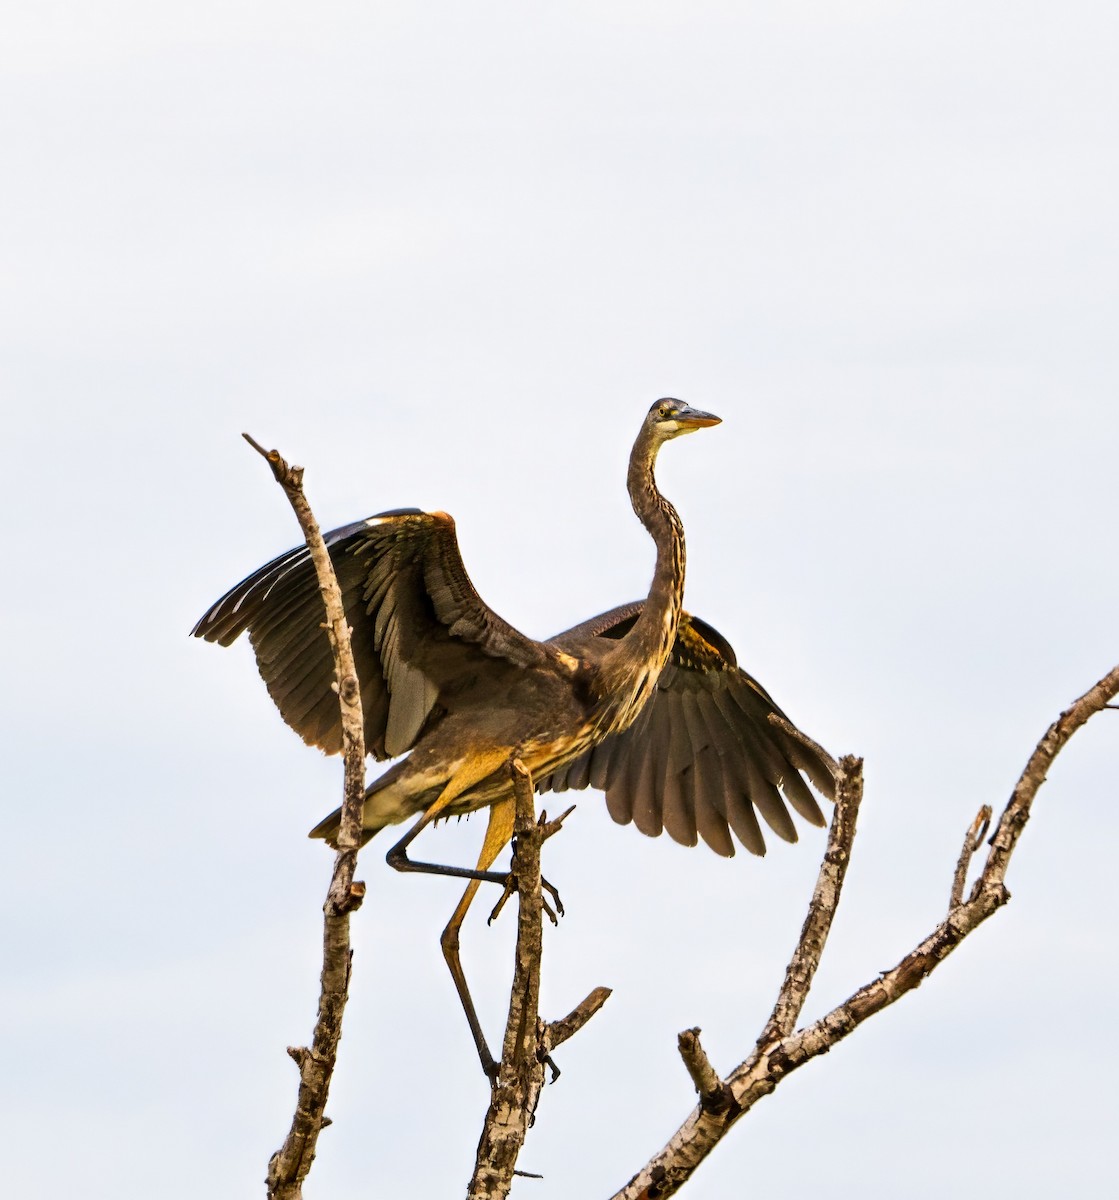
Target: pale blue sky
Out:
[446,255]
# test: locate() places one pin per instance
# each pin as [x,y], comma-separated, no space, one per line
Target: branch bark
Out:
[290,1164]
[822,908]
[714,1095]
[780,1051]
[973,839]
[528,1040]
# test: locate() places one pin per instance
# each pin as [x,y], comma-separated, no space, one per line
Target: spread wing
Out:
[702,758]
[420,630]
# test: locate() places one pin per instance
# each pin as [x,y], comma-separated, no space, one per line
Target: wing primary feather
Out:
[679,811]
[797,793]
[710,816]
[659,737]
[646,755]
[678,807]
[600,763]
[764,762]
[680,748]
[740,782]
[805,760]
[621,781]
[578,773]
[619,804]
[706,783]
[765,797]
[617,764]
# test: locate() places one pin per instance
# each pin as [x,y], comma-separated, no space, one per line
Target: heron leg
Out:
[473,771]
[498,832]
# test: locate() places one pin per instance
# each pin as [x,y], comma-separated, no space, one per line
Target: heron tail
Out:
[327,829]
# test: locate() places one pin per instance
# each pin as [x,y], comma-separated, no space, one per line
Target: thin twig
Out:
[288,1167]
[567,1027]
[765,1068]
[973,839]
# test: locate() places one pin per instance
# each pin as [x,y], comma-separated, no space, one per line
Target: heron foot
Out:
[510,888]
[547,887]
[544,830]
[550,1063]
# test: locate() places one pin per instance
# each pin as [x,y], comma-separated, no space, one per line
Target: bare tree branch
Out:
[528,1039]
[973,839]
[288,1167]
[516,1090]
[567,1027]
[772,1060]
[821,910]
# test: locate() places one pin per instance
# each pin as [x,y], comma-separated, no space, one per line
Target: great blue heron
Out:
[644,702]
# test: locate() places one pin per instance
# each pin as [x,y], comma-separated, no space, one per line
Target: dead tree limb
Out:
[973,839]
[288,1167]
[714,1095]
[822,908]
[780,1050]
[528,1039]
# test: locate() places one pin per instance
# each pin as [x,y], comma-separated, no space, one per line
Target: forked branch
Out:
[780,1050]
[973,839]
[290,1164]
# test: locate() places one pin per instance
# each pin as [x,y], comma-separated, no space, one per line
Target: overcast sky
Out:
[446,255]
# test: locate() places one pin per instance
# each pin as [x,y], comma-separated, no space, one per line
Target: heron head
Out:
[669,418]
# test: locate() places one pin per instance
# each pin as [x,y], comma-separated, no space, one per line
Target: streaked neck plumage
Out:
[630,672]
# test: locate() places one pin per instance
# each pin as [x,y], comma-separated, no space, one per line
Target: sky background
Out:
[446,255]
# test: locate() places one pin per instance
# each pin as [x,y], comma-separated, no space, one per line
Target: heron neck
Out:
[637,662]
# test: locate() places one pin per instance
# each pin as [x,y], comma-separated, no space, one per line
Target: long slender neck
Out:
[635,664]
